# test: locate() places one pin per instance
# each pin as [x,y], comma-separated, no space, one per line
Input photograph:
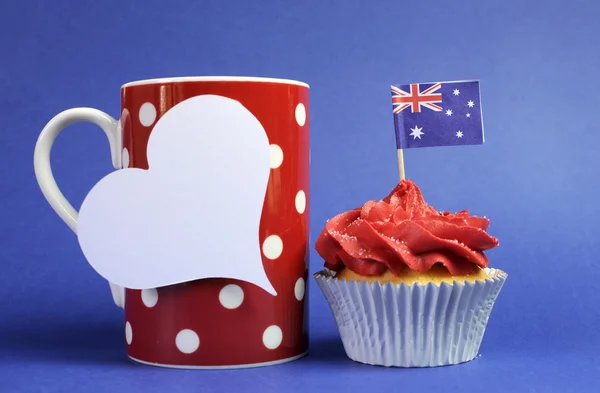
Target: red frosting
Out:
[402,231]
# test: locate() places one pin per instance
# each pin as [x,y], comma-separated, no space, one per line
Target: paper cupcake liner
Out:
[411,325]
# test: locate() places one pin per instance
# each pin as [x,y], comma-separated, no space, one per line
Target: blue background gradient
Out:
[537,177]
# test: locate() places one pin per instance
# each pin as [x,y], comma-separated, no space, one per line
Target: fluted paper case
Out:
[411,325]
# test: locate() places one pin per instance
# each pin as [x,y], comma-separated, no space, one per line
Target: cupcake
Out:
[408,286]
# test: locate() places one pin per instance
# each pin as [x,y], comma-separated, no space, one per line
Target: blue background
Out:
[537,176]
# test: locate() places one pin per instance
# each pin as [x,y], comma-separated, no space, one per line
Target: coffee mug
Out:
[213,322]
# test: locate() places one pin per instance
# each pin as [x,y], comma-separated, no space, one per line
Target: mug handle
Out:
[43,171]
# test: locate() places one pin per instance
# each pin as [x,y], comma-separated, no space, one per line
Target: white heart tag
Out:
[195,213]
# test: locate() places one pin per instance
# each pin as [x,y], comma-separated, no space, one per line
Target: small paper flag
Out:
[437,114]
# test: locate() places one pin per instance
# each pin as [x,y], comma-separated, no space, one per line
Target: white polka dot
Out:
[272,247]
[150,297]
[147,114]
[276,156]
[272,337]
[187,341]
[231,296]
[300,201]
[300,114]
[128,333]
[299,289]
[125,158]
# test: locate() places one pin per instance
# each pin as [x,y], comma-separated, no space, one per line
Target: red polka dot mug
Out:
[214,322]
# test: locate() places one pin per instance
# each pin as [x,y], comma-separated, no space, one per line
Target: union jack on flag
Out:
[428,98]
[441,114]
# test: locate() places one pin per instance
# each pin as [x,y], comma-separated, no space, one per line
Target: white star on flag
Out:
[470,104]
[416,132]
[468,115]
[456,92]
[459,134]
[449,112]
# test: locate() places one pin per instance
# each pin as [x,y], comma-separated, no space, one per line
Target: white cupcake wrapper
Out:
[411,325]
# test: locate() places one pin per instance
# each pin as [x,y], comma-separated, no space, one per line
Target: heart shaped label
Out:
[195,213]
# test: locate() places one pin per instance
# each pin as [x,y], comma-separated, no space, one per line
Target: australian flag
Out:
[437,114]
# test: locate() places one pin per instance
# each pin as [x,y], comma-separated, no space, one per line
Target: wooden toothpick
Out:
[401,164]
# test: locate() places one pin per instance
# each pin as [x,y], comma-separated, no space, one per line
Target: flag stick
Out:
[401,164]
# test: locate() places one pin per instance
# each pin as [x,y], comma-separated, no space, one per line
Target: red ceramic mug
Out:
[215,322]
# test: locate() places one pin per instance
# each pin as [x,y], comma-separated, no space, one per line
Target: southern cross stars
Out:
[416,132]
[459,134]
[456,92]
[468,115]
[470,104]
